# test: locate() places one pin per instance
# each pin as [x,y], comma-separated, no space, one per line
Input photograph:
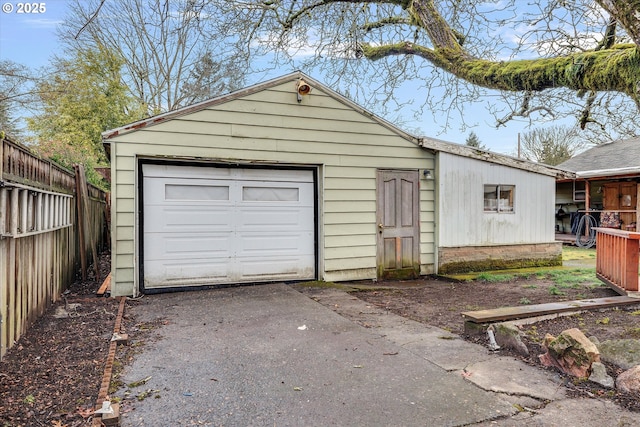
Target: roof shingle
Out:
[612,155]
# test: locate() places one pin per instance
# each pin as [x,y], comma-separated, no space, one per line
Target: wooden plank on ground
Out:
[522,312]
[106,286]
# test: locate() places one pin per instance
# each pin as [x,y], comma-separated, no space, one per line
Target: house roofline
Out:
[604,173]
[141,124]
[427,143]
[501,159]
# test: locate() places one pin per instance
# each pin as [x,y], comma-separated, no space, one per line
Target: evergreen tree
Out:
[473,141]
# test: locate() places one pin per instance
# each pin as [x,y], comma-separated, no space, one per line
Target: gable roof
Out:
[613,158]
[424,142]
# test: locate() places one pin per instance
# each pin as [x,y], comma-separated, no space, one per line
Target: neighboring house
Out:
[606,184]
[287,180]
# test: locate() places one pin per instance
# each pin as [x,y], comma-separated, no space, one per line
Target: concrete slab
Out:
[511,376]
[570,412]
[268,355]
[440,347]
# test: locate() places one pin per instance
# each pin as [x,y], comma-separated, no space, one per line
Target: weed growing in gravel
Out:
[525,301]
[532,333]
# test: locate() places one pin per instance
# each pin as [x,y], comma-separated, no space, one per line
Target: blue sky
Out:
[30,39]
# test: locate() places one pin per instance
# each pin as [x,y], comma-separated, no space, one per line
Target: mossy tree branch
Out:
[616,69]
[606,68]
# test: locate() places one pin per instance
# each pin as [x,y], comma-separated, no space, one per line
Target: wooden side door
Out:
[622,197]
[628,201]
[611,197]
[398,222]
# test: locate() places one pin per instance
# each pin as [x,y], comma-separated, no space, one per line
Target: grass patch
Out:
[570,253]
[562,278]
[574,278]
[495,277]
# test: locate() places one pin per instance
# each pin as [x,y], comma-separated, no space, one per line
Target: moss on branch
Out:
[615,69]
[604,70]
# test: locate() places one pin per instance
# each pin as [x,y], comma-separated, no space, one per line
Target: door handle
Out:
[380,227]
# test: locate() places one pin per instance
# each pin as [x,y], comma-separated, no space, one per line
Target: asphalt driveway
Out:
[270,356]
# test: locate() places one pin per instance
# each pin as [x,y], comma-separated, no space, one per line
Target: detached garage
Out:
[287,180]
[270,183]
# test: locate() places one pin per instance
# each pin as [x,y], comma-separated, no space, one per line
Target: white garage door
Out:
[209,225]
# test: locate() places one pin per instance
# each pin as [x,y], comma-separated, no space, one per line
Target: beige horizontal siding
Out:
[349,218]
[270,127]
[340,230]
[126,205]
[351,263]
[337,182]
[125,278]
[242,106]
[350,240]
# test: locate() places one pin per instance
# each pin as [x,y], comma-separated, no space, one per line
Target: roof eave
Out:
[605,173]
[501,159]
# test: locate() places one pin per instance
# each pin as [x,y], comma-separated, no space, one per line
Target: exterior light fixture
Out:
[302,88]
[427,174]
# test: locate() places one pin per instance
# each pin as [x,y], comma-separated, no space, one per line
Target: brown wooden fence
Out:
[42,244]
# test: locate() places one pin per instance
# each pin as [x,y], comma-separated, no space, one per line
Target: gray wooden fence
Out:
[43,246]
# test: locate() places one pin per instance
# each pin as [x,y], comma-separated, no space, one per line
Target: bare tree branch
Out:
[90,19]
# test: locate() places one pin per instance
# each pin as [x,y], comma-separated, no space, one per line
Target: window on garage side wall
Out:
[499,198]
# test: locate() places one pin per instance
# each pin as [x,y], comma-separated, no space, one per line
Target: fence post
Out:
[84,227]
[80,224]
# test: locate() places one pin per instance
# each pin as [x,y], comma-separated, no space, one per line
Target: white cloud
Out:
[43,23]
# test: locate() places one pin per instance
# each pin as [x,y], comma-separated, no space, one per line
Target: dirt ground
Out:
[440,302]
[51,377]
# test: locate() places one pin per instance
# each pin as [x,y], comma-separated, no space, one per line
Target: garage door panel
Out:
[276,220]
[204,226]
[277,268]
[209,246]
[282,193]
[264,245]
[192,273]
[212,192]
[190,218]
[182,172]
[272,175]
